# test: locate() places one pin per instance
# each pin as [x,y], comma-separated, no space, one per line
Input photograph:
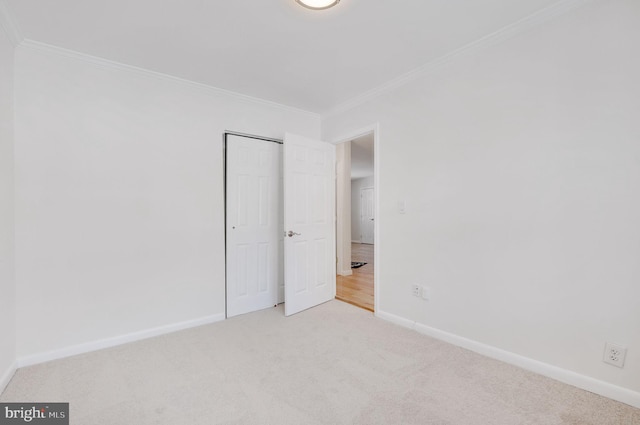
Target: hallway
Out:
[357,289]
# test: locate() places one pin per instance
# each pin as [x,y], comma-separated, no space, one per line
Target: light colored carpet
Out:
[333,364]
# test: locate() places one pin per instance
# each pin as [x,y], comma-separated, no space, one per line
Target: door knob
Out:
[290,233]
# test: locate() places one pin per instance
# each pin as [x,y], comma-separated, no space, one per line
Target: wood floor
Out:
[358,288]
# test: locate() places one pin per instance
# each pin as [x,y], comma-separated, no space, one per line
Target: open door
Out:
[309,223]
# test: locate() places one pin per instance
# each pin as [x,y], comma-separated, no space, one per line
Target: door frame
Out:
[347,137]
[224,180]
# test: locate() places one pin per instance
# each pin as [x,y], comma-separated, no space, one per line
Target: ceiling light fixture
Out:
[318,4]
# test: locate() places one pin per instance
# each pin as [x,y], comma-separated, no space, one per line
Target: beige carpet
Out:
[334,364]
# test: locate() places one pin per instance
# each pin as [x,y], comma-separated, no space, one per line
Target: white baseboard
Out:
[584,382]
[400,321]
[356,241]
[7,375]
[118,340]
[346,272]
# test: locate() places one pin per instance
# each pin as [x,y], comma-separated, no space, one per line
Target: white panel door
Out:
[309,217]
[366,215]
[254,224]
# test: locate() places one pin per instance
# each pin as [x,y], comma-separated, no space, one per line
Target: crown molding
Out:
[113,65]
[523,25]
[9,25]
[528,23]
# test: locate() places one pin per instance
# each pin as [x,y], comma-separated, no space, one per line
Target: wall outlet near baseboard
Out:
[425,293]
[614,354]
[422,292]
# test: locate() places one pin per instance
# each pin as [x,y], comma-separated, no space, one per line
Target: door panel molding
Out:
[309,216]
[253,223]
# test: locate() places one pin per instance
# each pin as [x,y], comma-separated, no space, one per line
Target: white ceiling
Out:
[271,49]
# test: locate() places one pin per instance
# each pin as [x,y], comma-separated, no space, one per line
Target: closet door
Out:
[254,224]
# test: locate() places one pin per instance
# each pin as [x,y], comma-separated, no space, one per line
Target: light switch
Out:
[402,207]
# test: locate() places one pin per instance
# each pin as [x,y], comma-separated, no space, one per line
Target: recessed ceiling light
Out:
[318,4]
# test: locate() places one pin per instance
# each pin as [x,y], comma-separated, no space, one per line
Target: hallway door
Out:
[367,215]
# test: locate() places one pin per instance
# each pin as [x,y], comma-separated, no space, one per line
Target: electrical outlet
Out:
[425,292]
[415,290]
[614,354]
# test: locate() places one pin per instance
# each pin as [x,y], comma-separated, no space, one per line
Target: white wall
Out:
[119,197]
[343,208]
[7,282]
[356,205]
[524,221]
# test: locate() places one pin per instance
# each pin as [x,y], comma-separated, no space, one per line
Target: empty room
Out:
[187,235]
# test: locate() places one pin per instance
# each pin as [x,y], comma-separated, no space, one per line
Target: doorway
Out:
[357,286]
